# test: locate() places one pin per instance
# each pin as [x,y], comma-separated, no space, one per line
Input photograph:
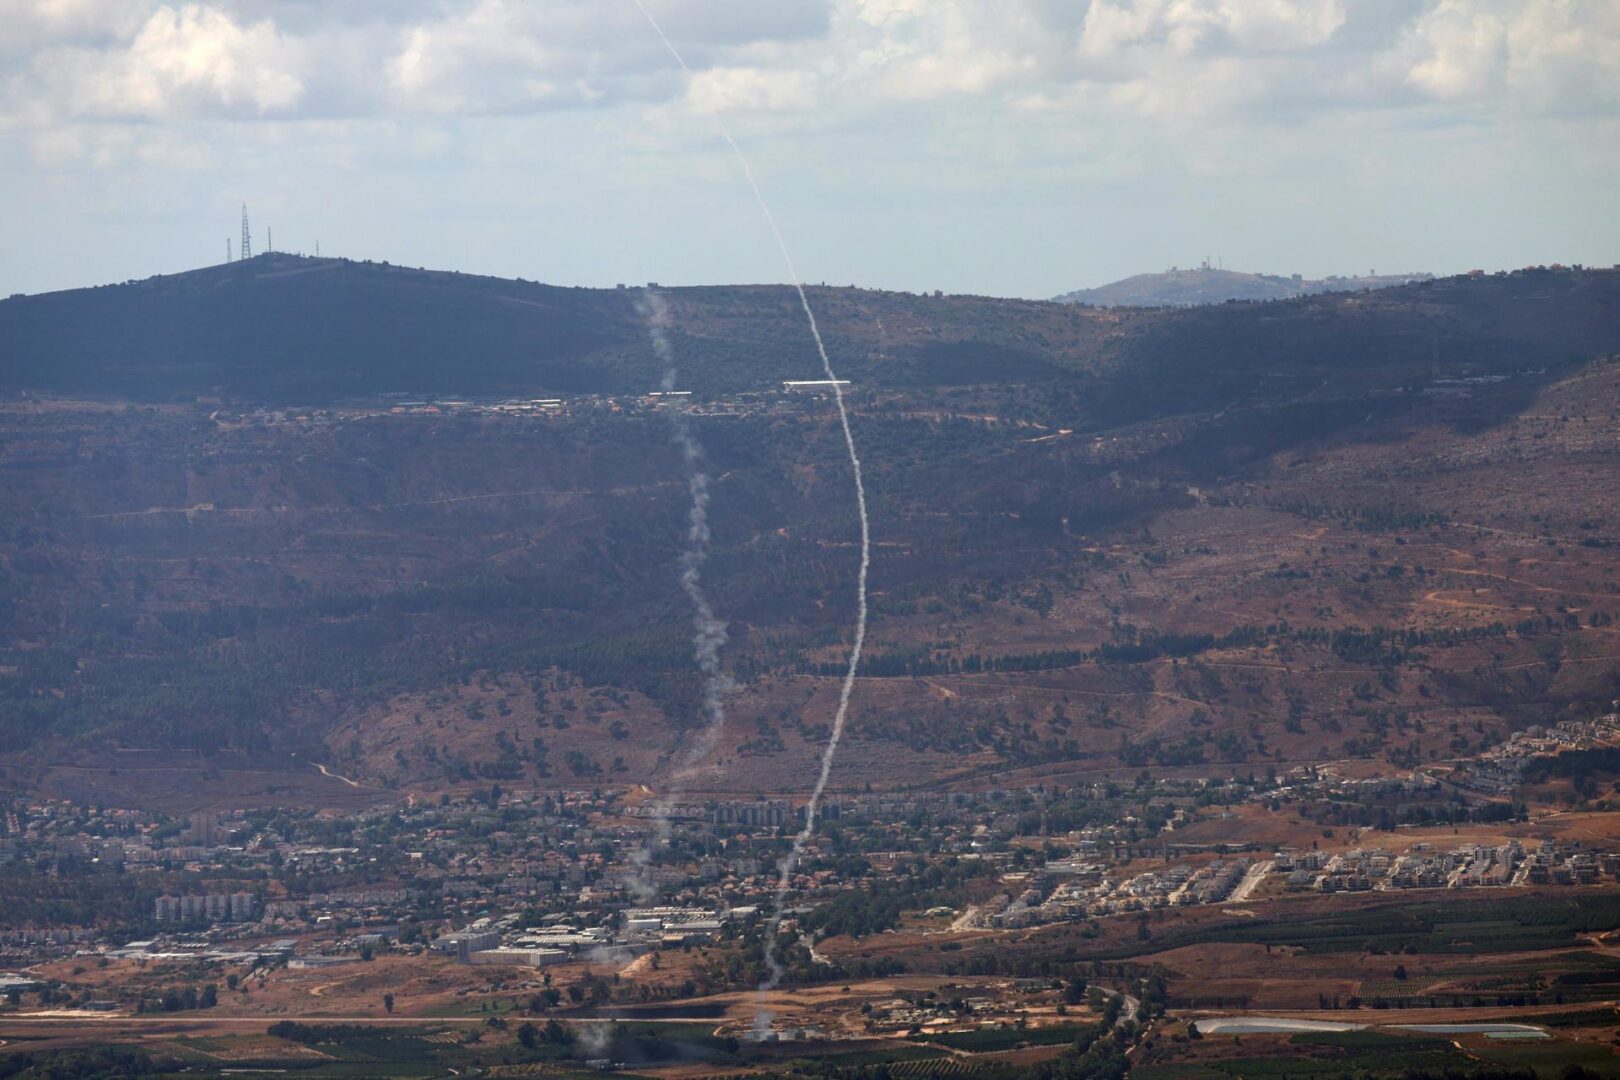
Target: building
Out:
[813,386]
[464,943]
[763,813]
[214,907]
[203,830]
[517,957]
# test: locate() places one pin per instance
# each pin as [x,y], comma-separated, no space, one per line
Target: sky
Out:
[1005,147]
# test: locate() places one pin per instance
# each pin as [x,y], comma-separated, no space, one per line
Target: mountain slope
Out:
[1175,539]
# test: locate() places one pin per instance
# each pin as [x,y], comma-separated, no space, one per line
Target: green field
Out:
[1322,1054]
[987,1040]
[1516,924]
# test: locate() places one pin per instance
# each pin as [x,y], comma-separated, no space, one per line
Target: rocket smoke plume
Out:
[709,631]
[791,861]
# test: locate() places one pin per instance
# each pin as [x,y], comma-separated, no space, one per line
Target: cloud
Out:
[31,25]
[177,62]
[515,56]
[1459,54]
[1027,86]
[1170,60]
[1191,26]
[750,89]
[1542,56]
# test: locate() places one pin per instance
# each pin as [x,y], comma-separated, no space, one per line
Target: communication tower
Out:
[247,237]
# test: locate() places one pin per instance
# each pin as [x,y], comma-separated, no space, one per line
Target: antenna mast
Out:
[247,237]
[227,249]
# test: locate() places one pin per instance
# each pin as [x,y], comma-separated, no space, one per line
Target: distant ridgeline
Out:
[289,329]
[1211,285]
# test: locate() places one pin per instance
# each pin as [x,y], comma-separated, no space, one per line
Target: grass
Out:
[385,1048]
[957,1067]
[470,1006]
[890,1056]
[987,1040]
[1392,988]
[1517,924]
[1324,1053]
[1184,1070]
[1599,1017]
[1550,1058]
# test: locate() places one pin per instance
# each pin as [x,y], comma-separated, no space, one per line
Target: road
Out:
[1132,1005]
[329,773]
[1128,1010]
[1250,882]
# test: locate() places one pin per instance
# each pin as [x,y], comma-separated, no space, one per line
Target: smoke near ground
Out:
[708,629]
[790,863]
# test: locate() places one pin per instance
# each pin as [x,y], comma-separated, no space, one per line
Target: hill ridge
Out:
[1177,287]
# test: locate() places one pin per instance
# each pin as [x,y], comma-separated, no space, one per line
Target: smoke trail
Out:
[709,631]
[791,861]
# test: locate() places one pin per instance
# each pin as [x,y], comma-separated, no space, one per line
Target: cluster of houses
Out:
[1066,890]
[1465,866]
[1500,770]
[1070,889]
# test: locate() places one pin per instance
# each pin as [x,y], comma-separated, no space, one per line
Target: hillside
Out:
[1368,527]
[1211,285]
[293,330]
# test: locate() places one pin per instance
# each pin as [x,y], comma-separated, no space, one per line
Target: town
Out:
[531,880]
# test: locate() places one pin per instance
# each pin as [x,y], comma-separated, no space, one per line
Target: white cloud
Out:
[182,61]
[1188,26]
[31,25]
[1461,52]
[497,55]
[751,89]
[1169,60]
[1564,55]
[1530,55]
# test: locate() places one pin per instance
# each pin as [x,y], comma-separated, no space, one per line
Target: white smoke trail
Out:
[709,631]
[791,861]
